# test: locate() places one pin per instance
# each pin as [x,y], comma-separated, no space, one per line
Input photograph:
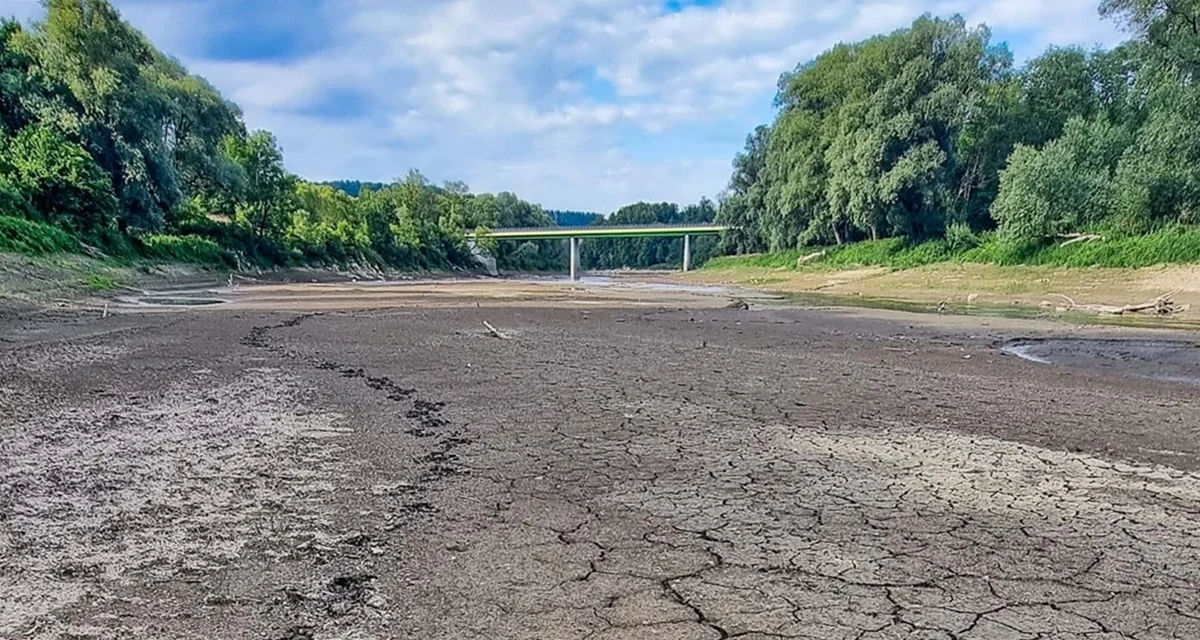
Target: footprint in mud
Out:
[297,633]
[349,593]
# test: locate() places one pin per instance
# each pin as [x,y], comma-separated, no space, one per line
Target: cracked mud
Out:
[674,473]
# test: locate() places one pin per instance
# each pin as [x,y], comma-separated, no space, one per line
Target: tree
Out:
[267,199]
[327,224]
[194,120]
[1065,186]
[1172,27]
[1158,178]
[59,179]
[98,64]
[742,207]
[16,87]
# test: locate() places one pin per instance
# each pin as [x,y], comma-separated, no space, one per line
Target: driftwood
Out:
[1073,238]
[494,331]
[812,257]
[92,252]
[1163,305]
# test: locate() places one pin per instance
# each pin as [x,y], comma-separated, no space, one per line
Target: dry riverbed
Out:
[298,462]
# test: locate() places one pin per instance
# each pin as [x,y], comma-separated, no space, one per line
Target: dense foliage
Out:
[615,253]
[354,187]
[106,143]
[574,218]
[932,133]
[928,140]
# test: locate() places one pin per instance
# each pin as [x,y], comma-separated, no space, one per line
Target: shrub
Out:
[960,237]
[189,249]
[18,235]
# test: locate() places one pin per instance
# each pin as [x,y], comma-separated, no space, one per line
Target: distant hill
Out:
[574,218]
[354,187]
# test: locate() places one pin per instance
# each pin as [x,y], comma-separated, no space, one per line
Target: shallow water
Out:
[1166,360]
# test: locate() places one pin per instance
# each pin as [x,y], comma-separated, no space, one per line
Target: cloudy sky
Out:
[577,104]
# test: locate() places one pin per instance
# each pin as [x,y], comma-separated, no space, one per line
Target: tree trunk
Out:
[837,235]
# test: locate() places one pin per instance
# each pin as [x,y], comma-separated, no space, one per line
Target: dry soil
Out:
[374,462]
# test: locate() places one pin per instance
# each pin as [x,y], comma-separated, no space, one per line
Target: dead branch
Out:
[1072,238]
[812,257]
[494,331]
[1163,305]
[1071,303]
[1160,306]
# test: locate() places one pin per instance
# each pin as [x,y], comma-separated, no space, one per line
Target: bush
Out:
[1063,187]
[189,249]
[13,203]
[960,237]
[1177,244]
[61,180]
[18,235]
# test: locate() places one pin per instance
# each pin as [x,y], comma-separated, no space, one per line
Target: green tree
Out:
[893,135]
[1063,187]
[268,189]
[1158,178]
[1171,27]
[743,203]
[194,121]
[1056,86]
[99,66]
[59,179]
[327,225]
[16,86]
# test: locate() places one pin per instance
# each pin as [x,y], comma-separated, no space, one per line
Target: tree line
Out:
[932,132]
[617,253]
[104,136]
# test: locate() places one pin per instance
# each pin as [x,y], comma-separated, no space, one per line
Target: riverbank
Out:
[1052,289]
[60,279]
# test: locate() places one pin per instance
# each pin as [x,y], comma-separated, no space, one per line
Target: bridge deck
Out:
[601,231]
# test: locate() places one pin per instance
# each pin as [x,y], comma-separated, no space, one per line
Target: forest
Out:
[110,147]
[929,137]
[933,135]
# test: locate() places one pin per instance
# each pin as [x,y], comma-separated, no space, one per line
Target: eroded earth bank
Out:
[612,467]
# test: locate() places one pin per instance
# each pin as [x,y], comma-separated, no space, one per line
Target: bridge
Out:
[575,234]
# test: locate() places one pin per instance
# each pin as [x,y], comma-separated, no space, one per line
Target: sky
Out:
[575,104]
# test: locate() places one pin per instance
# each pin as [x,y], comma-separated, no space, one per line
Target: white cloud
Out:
[539,96]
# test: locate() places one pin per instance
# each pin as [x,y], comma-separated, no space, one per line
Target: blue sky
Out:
[576,104]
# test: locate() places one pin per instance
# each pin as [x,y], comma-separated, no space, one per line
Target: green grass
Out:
[189,249]
[98,282]
[1175,245]
[18,235]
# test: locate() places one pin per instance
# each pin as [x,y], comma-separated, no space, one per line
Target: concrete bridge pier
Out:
[574,259]
[687,253]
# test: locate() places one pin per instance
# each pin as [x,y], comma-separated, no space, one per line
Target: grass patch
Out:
[18,235]
[1174,245]
[189,249]
[98,282]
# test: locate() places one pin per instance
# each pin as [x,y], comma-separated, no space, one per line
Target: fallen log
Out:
[1163,305]
[810,258]
[494,331]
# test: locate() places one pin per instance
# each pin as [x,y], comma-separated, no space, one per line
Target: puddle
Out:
[165,301]
[1166,360]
